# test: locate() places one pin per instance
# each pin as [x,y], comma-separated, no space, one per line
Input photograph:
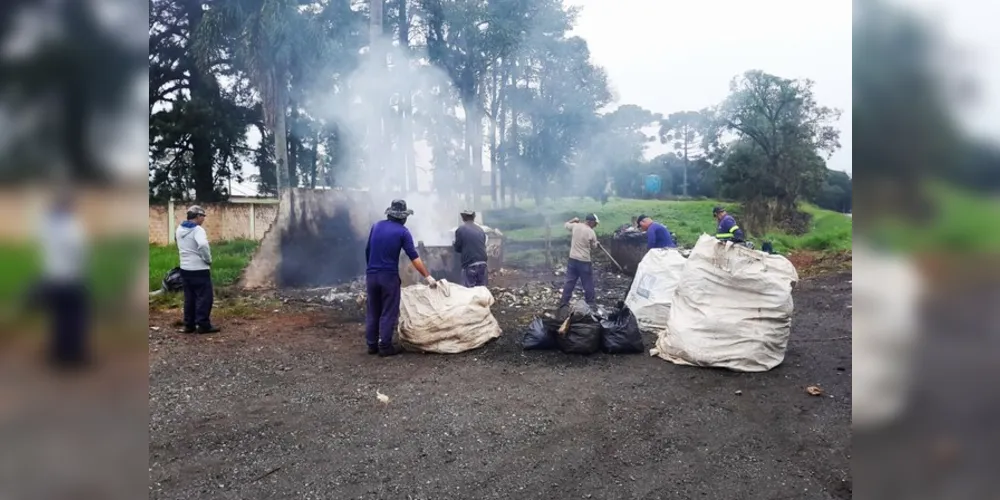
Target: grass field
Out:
[111,268]
[831,231]
[228,260]
[962,223]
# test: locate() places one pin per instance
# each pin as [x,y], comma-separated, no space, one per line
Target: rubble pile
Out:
[353,293]
[531,295]
[628,247]
[628,231]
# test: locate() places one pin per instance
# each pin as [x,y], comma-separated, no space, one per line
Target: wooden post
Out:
[170,221]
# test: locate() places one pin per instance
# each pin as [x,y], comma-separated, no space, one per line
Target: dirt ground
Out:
[282,404]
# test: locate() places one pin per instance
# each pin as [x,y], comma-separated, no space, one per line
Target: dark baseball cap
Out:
[593,218]
[640,219]
[717,209]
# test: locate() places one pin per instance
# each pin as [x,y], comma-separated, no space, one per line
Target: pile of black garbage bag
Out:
[579,329]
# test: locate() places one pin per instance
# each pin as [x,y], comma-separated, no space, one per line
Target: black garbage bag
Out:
[621,333]
[173,282]
[540,335]
[581,332]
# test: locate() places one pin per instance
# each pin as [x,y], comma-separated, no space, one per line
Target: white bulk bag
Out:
[885,334]
[447,319]
[656,277]
[731,309]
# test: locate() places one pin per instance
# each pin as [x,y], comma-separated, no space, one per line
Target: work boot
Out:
[188,329]
[372,349]
[386,351]
[207,329]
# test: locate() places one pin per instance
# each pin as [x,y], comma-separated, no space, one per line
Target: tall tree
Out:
[570,92]
[904,129]
[684,130]
[265,39]
[77,74]
[197,128]
[615,148]
[781,130]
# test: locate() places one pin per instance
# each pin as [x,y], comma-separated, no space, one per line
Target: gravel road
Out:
[283,404]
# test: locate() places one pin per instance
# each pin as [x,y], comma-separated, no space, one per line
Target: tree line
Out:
[516,88]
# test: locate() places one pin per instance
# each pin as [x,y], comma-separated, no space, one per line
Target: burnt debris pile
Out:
[628,247]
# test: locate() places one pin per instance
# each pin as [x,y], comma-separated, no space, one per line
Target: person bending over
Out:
[657,235]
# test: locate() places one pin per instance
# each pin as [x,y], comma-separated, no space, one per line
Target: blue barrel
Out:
[653,184]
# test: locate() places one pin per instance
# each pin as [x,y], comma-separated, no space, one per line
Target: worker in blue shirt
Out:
[386,239]
[727,230]
[657,235]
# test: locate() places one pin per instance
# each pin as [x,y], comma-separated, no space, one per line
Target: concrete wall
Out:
[246,219]
[105,212]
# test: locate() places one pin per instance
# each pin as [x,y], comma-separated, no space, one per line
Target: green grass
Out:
[830,231]
[110,272]
[688,219]
[228,260]
[962,223]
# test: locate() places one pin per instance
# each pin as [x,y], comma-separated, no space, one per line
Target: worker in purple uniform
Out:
[470,243]
[727,230]
[657,235]
[386,239]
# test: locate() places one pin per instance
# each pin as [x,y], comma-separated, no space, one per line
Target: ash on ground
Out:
[539,291]
[354,291]
[528,291]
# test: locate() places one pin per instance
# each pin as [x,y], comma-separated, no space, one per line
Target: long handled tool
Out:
[606,252]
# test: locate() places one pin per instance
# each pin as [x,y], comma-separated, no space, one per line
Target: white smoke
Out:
[369,101]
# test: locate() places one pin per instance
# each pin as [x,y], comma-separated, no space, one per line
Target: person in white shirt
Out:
[64,255]
[196,265]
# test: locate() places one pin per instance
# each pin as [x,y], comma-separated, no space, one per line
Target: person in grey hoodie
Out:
[196,265]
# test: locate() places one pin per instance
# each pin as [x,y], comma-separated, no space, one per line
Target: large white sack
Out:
[656,277]
[447,319]
[884,333]
[731,309]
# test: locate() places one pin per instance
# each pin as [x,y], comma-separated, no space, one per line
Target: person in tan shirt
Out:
[580,267]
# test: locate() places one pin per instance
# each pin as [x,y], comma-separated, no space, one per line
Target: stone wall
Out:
[224,221]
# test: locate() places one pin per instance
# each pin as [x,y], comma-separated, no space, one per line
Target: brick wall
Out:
[104,212]
[223,221]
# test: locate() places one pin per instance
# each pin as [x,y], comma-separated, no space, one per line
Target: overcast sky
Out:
[969,26]
[670,55]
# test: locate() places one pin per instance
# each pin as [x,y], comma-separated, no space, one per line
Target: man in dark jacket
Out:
[470,243]
[386,239]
